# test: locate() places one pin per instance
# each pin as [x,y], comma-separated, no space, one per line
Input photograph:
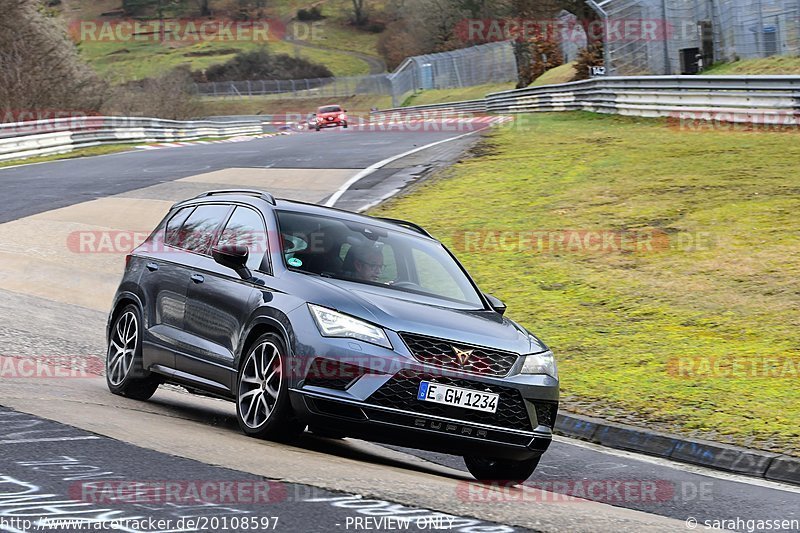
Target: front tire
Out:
[125,375]
[504,470]
[262,393]
[344,125]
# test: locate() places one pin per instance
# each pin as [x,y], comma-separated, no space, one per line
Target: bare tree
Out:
[169,96]
[360,12]
[203,7]
[41,68]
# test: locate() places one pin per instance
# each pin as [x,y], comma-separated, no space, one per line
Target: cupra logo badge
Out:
[462,355]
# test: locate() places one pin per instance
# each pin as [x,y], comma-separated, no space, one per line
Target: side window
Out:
[433,277]
[174,225]
[200,229]
[246,228]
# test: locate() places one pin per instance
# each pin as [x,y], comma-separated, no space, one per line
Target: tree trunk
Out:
[360,15]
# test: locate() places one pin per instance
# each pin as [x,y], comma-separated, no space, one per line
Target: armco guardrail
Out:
[725,98]
[763,99]
[44,137]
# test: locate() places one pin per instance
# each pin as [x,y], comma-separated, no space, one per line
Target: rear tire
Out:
[317,128]
[263,408]
[125,375]
[502,470]
[344,125]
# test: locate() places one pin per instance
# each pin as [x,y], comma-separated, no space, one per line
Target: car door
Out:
[219,301]
[164,283]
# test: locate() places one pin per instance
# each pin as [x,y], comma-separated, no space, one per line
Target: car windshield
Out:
[329,109]
[372,255]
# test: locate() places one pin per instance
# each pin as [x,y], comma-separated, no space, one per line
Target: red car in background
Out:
[329,116]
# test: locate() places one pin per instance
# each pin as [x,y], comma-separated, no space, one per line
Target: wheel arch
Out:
[122,300]
[258,327]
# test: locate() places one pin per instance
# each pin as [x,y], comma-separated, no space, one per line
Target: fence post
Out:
[667,61]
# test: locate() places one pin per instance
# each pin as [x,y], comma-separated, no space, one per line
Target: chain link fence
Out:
[488,63]
[693,34]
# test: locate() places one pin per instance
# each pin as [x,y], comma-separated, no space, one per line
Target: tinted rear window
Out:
[200,229]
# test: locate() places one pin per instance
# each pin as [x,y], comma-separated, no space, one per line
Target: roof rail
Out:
[407,224]
[248,192]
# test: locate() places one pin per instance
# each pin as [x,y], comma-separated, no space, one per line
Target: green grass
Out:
[82,152]
[335,32]
[121,61]
[124,61]
[437,96]
[562,74]
[771,65]
[618,321]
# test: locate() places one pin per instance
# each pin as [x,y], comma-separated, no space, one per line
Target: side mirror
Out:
[234,257]
[496,303]
[344,110]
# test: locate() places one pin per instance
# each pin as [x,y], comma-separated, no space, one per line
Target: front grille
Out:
[400,392]
[439,352]
[546,413]
[332,374]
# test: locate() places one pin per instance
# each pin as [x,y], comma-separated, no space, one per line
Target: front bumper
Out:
[370,392]
[405,428]
[330,124]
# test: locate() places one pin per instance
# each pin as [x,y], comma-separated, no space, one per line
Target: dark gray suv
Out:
[350,325]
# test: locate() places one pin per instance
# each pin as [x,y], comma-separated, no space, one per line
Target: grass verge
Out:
[697,335]
[561,74]
[121,61]
[777,65]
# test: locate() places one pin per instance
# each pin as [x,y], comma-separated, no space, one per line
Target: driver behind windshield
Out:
[367,262]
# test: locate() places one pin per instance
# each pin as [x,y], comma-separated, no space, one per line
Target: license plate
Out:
[457,396]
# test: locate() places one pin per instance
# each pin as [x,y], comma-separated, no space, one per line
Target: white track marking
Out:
[380,164]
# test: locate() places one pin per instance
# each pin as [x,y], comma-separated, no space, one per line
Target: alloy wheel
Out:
[122,348]
[260,384]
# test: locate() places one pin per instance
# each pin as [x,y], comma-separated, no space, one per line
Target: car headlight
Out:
[335,324]
[540,363]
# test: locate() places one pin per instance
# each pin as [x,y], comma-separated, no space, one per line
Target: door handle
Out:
[152,267]
[197,278]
